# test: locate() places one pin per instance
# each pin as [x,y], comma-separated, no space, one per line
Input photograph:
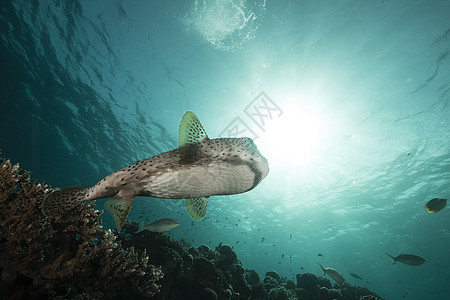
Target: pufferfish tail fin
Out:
[60,202]
[196,207]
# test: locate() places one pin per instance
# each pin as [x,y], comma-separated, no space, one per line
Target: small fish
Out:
[320,254]
[162,225]
[408,259]
[199,168]
[263,239]
[332,273]
[435,205]
[282,255]
[356,276]
[302,268]
[290,236]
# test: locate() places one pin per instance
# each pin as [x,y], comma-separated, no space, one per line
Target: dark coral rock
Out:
[349,291]
[302,293]
[274,275]
[335,294]
[227,253]
[278,293]
[325,294]
[204,272]
[207,294]
[290,285]
[204,250]
[324,282]
[269,283]
[227,293]
[241,286]
[369,297]
[308,281]
[194,252]
[252,277]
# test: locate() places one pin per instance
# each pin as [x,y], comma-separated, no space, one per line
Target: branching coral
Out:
[72,251]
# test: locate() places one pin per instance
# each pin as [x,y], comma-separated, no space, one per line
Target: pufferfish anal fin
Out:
[119,207]
[196,207]
[190,134]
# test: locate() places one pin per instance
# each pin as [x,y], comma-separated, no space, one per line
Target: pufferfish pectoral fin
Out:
[196,207]
[119,206]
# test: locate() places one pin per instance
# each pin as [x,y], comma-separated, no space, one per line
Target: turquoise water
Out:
[356,129]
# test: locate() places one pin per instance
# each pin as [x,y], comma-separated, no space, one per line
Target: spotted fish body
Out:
[199,168]
[218,171]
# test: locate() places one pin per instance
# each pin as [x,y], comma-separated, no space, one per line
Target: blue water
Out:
[356,130]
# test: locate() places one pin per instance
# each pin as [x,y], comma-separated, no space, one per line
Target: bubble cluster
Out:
[226,25]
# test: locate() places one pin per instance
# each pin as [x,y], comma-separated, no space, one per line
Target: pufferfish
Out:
[199,168]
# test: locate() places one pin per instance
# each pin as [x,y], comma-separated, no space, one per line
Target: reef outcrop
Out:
[67,256]
[204,273]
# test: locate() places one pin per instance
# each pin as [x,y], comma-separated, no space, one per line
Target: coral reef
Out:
[72,257]
[66,256]
[194,272]
[204,273]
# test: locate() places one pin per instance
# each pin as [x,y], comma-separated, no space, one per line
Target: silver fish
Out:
[409,259]
[162,225]
[199,168]
[333,274]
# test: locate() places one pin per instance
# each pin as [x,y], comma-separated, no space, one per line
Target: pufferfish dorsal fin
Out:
[191,130]
[190,134]
[196,207]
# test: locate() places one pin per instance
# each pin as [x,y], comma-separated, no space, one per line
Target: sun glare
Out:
[294,138]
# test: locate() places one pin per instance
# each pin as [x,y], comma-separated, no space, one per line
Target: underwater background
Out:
[348,101]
